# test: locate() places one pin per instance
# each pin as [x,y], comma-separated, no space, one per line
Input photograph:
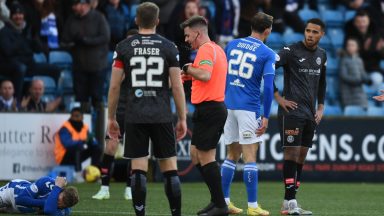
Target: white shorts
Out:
[241,127]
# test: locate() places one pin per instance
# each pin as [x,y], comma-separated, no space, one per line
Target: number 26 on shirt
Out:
[240,60]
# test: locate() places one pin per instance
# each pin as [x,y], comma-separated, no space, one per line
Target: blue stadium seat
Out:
[332,91]
[39,57]
[274,108]
[337,37]
[375,111]
[306,14]
[49,84]
[64,171]
[333,18]
[349,14]
[292,37]
[61,59]
[382,64]
[332,66]
[352,110]
[326,43]
[279,82]
[333,110]
[275,41]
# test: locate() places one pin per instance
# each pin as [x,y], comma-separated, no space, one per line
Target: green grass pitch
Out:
[323,199]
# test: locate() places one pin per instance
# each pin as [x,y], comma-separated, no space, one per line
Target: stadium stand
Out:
[352,110]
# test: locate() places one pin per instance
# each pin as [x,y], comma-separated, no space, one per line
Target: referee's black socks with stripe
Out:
[139,191]
[105,167]
[211,174]
[173,191]
[289,172]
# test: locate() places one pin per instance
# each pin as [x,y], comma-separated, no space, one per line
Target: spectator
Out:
[74,143]
[350,4]
[7,101]
[376,10]
[86,33]
[117,14]
[285,14]
[166,9]
[227,20]
[370,41]
[16,54]
[353,76]
[248,9]
[4,13]
[34,103]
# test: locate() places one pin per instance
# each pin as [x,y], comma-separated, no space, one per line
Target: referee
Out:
[208,73]
[304,66]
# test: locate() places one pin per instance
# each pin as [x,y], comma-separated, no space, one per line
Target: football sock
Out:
[129,173]
[211,173]
[227,173]
[139,191]
[198,166]
[250,178]
[105,169]
[289,172]
[298,176]
[173,191]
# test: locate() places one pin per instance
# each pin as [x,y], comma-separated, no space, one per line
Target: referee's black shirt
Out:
[304,78]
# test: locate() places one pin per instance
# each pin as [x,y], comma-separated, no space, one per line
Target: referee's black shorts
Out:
[296,131]
[208,124]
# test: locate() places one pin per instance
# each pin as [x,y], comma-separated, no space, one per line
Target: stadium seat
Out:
[306,14]
[326,43]
[332,66]
[61,59]
[279,82]
[65,171]
[333,110]
[274,108]
[333,18]
[349,14]
[292,37]
[332,91]
[275,41]
[39,57]
[336,36]
[352,110]
[49,84]
[375,111]
[382,64]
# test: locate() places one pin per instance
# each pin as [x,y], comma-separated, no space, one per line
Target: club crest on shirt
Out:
[135,42]
[318,60]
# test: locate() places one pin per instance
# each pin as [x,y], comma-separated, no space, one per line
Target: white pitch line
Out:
[121,213]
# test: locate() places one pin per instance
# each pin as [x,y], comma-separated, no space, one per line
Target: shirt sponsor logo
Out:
[139,93]
[203,62]
[237,82]
[34,188]
[292,132]
[135,42]
[318,60]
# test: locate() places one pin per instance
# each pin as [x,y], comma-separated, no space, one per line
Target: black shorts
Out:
[296,131]
[120,118]
[208,124]
[137,140]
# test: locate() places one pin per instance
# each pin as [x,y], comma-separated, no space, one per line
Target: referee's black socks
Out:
[289,172]
[139,191]
[211,174]
[198,166]
[173,191]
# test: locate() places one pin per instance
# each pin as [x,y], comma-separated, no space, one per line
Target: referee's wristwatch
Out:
[185,68]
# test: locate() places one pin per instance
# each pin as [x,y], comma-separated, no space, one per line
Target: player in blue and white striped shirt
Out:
[249,61]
